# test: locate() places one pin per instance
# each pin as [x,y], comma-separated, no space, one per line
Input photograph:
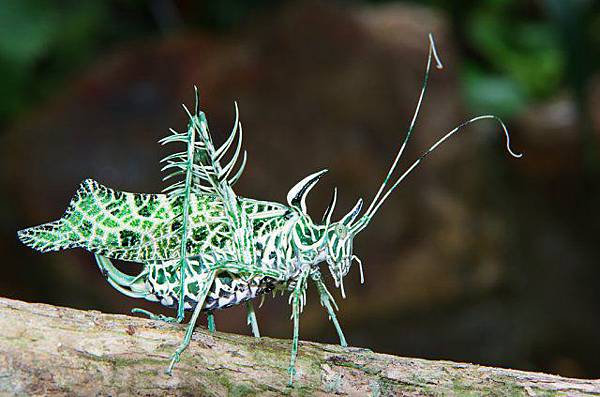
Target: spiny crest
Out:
[296,196]
[200,163]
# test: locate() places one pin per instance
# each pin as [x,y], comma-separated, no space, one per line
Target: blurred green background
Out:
[478,257]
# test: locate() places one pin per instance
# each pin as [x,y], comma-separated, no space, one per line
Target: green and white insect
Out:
[204,248]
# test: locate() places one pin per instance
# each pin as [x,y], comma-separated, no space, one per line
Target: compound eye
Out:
[341,231]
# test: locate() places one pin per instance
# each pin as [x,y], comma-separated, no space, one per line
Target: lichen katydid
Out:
[204,248]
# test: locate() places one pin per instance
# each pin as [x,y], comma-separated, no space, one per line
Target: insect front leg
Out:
[297,300]
[204,288]
[328,302]
[251,319]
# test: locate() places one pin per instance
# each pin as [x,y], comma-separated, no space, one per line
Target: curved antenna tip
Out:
[508,148]
[438,62]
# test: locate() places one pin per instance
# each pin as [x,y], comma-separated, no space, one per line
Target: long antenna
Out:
[438,143]
[432,54]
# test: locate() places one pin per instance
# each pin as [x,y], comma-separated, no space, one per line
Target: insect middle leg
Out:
[257,271]
[297,299]
[251,319]
[328,302]
[204,288]
[210,317]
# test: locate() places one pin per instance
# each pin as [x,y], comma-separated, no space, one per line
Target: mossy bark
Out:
[48,350]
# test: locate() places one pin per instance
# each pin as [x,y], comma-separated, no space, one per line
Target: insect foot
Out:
[292,372]
[175,358]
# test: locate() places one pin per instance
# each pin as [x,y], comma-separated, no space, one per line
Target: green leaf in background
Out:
[485,92]
[523,50]
[520,51]
[26,30]
[60,36]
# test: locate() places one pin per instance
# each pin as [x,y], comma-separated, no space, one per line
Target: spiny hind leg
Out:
[183,268]
[158,317]
[183,265]
[128,285]
[251,319]
[133,286]
[165,268]
[204,288]
[328,302]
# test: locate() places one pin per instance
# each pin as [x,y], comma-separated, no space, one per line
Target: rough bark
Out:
[48,350]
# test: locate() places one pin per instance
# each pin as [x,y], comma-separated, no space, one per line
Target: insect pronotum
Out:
[204,248]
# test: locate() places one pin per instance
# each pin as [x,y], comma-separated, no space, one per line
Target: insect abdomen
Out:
[228,289]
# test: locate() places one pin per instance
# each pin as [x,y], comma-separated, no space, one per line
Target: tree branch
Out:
[50,350]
